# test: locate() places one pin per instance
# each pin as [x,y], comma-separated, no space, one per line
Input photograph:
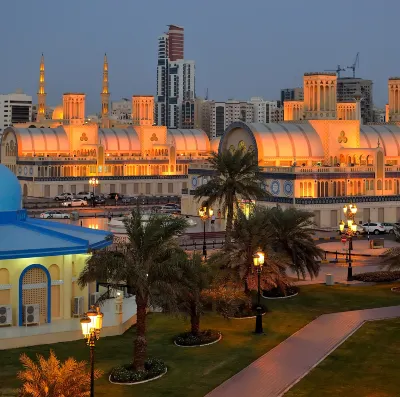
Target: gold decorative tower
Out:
[105,94]
[41,113]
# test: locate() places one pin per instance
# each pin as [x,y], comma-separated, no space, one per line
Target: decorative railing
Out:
[112,178]
[346,199]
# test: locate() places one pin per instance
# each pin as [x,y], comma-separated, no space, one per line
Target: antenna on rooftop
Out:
[206,98]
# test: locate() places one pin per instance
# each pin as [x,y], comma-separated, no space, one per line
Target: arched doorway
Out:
[54,271]
[35,288]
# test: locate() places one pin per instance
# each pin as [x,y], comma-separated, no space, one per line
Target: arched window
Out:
[301,189]
[386,185]
[359,192]
[379,185]
[343,188]
[390,185]
[371,184]
[326,189]
[309,192]
[334,189]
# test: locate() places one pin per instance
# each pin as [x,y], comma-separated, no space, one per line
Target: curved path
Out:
[277,371]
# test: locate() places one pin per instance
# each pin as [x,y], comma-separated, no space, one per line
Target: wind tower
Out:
[41,113]
[105,94]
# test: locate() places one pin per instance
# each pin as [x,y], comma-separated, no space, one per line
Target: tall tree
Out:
[236,176]
[235,261]
[52,378]
[148,264]
[291,232]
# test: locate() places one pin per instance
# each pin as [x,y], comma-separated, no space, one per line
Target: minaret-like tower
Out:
[105,94]
[41,113]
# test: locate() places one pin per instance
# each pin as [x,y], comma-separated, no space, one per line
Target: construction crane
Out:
[337,70]
[355,64]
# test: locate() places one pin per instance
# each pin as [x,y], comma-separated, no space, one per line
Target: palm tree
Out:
[147,264]
[291,232]
[237,176]
[235,261]
[52,378]
[196,278]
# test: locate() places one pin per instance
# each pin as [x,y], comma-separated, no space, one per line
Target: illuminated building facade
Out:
[321,157]
[60,155]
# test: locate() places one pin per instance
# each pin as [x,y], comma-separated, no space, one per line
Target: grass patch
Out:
[366,365]
[194,372]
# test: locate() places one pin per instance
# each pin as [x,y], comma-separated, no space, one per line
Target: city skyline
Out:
[239,53]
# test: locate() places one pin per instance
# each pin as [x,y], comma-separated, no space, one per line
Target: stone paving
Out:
[277,371]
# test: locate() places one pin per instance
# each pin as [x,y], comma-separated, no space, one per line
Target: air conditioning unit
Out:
[31,314]
[78,309]
[94,298]
[5,315]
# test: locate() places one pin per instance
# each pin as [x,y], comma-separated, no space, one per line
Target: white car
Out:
[75,203]
[374,227]
[64,196]
[54,215]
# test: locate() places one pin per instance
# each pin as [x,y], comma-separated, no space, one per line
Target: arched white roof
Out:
[195,140]
[40,139]
[215,144]
[119,139]
[387,134]
[279,140]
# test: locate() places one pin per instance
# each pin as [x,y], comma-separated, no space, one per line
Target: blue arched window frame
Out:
[21,278]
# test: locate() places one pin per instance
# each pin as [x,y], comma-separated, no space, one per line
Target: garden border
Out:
[137,383]
[207,344]
[280,297]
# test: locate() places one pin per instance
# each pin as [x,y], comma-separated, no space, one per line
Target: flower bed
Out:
[277,293]
[125,374]
[378,277]
[187,339]
[244,312]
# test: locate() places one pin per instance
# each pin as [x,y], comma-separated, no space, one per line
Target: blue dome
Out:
[10,190]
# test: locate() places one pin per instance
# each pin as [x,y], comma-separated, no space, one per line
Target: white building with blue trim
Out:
[39,261]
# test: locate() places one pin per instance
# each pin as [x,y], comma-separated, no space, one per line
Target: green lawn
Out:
[195,371]
[366,365]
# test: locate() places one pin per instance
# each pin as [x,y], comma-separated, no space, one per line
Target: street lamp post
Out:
[349,211]
[93,182]
[91,325]
[258,261]
[204,214]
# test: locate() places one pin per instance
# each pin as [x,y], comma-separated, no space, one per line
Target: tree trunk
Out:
[140,343]
[229,222]
[194,321]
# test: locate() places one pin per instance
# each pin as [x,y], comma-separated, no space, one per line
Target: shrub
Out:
[280,293]
[378,277]
[126,374]
[203,338]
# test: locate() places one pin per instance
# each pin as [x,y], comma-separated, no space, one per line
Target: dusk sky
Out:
[241,48]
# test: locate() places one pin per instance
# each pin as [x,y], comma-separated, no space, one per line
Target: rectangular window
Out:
[136,188]
[73,189]
[170,187]
[123,188]
[159,188]
[147,188]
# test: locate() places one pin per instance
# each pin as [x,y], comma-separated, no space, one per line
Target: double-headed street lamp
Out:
[258,262]
[91,325]
[93,182]
[205,213]
[349,211]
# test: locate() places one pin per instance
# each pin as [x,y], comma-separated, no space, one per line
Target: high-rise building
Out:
[347,87]
[291,94]
[176,42]
[15,108]
[175,82]
[264,111]
[122,110]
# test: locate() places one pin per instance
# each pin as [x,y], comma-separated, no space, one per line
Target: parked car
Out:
[54,215]
[128,199]
[99,199]
[75,203]
[112,196]
[389,227]
[172,205]
[84,195]
[359,230]
[169,209]
[374,227]
[64,196]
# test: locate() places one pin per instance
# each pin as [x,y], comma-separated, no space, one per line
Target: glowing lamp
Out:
[350,222]
[258,259]
[99,320]
[85,324]
[345,209]
[92,315]
[354,227]
[353,209]
[341,226]
[211,212]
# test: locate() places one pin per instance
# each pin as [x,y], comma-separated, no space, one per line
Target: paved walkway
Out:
[278,370]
